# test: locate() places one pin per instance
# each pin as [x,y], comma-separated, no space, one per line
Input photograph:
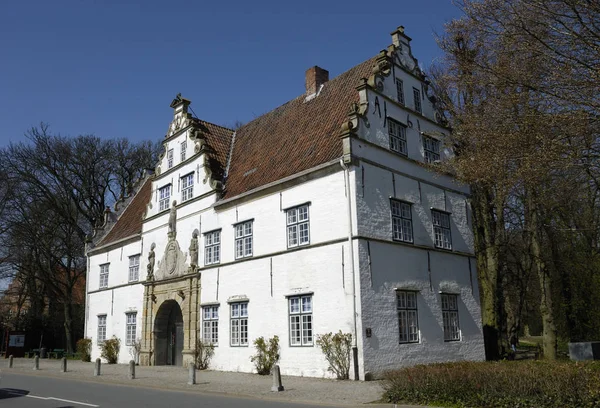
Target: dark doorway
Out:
[168,334]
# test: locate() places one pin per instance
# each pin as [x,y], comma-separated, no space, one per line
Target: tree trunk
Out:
[68,326]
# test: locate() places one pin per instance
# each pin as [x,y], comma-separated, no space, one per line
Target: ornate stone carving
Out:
[151,259]
[172,233]
[194,250]
[172,263]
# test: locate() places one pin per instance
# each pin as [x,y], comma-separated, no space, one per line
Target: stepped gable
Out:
[296,136]
[130,221]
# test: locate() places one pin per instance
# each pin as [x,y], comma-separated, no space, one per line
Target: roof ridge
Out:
[214,124]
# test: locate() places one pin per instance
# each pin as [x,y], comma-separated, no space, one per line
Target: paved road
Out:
[22,390]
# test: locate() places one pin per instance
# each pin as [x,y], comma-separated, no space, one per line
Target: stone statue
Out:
[151,257]
[194,249]
[173,221]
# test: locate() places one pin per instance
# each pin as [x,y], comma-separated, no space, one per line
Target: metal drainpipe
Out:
[355,334]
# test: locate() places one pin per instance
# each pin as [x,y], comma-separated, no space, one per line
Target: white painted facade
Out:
[322,268]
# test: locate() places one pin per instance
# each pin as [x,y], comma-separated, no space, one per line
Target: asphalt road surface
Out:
[22,390]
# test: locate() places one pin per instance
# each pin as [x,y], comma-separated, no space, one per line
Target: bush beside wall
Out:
[523,384]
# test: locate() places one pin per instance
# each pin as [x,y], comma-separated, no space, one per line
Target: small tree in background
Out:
[337,348]
[202,354]
[110,350]
[267,354]
[135,349]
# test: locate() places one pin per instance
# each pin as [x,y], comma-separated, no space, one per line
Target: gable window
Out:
[134,268]
[400,91]
[170,158]
[101,328]
[212,247]
[401,221]
[397,133]
[431,148]
[131,324]
[104,276]
[408,320]
[243,240]
[301,331]
[297,226]
[450,317]
[417,99]
[187,187]
[239,324]
[164,194]
[183,150]
[210,324]
[441,229]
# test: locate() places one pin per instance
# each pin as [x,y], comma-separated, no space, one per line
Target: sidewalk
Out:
[297,389]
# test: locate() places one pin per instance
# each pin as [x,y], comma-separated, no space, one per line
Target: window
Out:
[408,321]
[170,158]
[441,229]
[187,187]
[297,226]
[164,195]
[400,90]
[101,328]
[239,324]
[130,319]
[134,268]
[450,317]
[397,134]
[243,240]
[401,221]
[212,247]
[417,98]
[183,150]
[104,276]
[210,324]
[301,332]
[431,148]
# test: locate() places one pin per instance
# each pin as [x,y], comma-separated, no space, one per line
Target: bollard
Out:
[277,386]
[36,363]
[131,370]
[63,365]
[10,361]
[97,367]
[192,374]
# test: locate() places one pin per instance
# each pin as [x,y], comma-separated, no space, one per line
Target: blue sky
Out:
[111,68]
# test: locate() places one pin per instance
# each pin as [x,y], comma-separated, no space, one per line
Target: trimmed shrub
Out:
[337,349]
[523,384]
[110,350]
[267,354]
[84,349]
[202,354]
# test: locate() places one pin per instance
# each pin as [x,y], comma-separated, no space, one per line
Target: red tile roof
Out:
[218,139]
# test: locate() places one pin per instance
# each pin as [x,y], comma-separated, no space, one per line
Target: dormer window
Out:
[431,149]
[417,100]
[170,158]
[164,195]
[183,150]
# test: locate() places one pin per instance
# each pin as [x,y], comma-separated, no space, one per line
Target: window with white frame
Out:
[417,99]
[243,239]
[397,133]
[164,195]
[131,324]
[239,324]
[400,91]
[104,276]
[297,226]
[183,150]
[170,158]
[301,327]
[212,247]
[187,187]
[401,221]
[101,328]
[441,229]
[408,320]
[134,268]
[450,317]
[431,149]
[210,324]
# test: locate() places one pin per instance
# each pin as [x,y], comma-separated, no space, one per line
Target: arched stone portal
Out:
[168,334]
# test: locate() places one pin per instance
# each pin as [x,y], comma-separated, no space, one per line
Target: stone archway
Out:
[168,334]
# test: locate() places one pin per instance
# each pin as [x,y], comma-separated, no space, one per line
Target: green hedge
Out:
[522,384]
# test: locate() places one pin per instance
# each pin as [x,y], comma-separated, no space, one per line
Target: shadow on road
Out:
[12,393]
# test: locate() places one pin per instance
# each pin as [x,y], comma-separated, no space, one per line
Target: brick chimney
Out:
[315,77]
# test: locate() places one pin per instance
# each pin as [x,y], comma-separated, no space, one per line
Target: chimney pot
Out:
[315,77]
